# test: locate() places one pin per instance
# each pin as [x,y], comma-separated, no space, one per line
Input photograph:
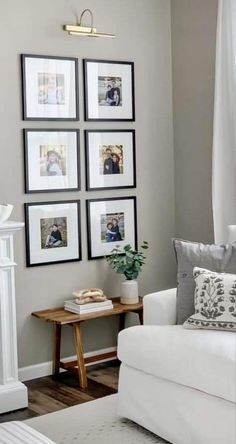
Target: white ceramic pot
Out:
[5,212]
[129,292]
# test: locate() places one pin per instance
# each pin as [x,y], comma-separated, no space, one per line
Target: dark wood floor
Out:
[47,395]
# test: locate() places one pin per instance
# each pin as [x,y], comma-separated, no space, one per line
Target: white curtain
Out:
[224,138]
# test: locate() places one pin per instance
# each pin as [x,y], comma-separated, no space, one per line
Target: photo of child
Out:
[111,159]
[53,232]
[52,160]
[109,91]
[51,89]
[112,227]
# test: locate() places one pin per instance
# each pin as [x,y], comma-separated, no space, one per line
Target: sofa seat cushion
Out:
[204,360]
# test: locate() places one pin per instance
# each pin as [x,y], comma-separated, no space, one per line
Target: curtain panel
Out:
[224,135]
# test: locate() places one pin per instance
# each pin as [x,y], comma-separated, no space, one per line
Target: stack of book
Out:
[92,307]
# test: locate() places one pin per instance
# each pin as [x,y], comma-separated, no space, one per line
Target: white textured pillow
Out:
[214,301]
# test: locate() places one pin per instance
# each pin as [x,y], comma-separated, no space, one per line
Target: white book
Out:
[90,305]
[91,310]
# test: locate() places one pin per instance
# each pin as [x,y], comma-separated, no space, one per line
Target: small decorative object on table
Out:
[88,301]
[5,212]
[128,262]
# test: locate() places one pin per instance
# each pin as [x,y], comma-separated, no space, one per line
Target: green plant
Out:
[128,261]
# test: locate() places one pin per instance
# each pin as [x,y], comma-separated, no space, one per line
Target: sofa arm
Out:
[160,308]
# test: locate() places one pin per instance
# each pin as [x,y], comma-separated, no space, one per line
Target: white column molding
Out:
[13,394]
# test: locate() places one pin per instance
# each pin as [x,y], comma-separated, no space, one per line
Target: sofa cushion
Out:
[221,258]
[201,359]
[214,301]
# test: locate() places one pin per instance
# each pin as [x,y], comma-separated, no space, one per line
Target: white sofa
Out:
[178,383]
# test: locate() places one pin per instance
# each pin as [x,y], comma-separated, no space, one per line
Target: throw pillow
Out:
[214,300]
[220,258]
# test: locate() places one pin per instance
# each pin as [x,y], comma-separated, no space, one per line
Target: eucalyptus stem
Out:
[128,261]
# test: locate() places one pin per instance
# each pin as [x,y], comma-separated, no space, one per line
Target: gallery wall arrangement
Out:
[52,157]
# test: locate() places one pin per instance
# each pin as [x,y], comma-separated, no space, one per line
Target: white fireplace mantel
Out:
[13,394]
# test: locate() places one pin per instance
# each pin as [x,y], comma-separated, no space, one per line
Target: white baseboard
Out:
[45,368]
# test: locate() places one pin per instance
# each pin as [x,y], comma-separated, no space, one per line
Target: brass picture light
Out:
[86,31]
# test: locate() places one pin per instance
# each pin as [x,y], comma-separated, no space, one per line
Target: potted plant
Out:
[128,262]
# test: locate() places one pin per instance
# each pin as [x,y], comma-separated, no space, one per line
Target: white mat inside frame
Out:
[94,422]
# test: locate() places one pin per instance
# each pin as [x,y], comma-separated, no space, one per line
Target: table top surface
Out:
[61,316]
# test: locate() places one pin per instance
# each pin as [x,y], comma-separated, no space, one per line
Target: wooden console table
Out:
[60,317]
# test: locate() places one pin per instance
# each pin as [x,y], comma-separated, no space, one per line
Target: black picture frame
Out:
[88,214]
[86,86]
[23,82]
[26,160]
[27,232]
[87,158]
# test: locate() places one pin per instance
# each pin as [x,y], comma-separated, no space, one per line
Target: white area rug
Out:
[94,422]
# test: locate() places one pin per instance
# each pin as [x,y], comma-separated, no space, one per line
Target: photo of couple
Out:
[52,160]
[112,227]
[53,232]
[109,91]
[111,159]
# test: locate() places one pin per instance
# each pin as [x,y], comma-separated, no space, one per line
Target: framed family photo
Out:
[50,87]
[111,222]
[109,90]
[52,160]
[110,159]
[53,232]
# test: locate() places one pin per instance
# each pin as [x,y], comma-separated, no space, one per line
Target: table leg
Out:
[57,350]
[80,356]
[122,321]
[140,314]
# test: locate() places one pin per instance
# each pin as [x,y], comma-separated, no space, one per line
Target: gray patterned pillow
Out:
[220,258]
[214,301]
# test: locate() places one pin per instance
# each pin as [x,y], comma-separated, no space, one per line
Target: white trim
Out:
[45,368]
[13,394]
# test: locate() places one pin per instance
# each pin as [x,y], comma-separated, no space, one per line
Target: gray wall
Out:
[144,36]
[193,49]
